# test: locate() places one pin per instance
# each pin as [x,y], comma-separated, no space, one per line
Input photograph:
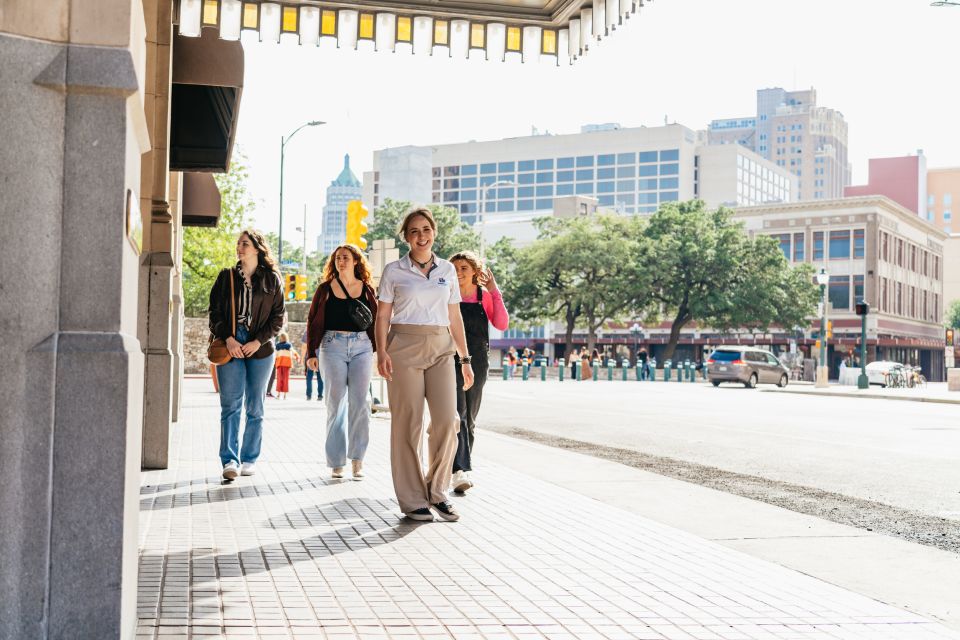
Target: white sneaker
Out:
[460,482]
[248,468]
[230,470]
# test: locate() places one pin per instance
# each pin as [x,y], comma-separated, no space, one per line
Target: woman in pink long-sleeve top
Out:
[481,305]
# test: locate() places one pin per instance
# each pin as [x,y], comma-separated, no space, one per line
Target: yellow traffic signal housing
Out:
[301,286]
[949,337]
[290,287]
[829,329]
[356,227]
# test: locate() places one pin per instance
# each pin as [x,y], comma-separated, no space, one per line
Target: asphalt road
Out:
[814,454]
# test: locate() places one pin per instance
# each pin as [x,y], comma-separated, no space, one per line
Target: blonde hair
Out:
[283,336]
[473,260]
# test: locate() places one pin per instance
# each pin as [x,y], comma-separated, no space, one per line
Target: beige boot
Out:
[337,472]
[357,469]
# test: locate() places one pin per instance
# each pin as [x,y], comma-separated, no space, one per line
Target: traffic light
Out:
[949,337]
[291,287]
[829,329]
[301,287]
[356,227]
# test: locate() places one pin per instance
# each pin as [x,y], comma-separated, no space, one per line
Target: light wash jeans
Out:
[243,384]
[346,362]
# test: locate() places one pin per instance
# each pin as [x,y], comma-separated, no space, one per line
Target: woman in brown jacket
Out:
[258,305]
[342,351]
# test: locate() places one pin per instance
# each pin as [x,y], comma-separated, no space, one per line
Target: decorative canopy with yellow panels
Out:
[562,30]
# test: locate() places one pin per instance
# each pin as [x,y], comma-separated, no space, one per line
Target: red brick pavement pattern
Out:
[291,553]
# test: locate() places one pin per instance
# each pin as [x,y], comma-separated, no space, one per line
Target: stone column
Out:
[157,263]
[73,131]
[176,315]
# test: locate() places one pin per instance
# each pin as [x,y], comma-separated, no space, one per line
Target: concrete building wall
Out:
[943,198]
[74,130]
[951,270]
[732,175]
[902,179]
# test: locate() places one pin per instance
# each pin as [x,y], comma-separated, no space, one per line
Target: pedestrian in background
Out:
[642,360]
[258,301]
[481,304]
[420,328]
[310,373]
[342,351]
[284,362]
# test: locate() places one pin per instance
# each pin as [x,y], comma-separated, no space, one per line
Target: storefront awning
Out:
[201,200]
[207,80]
[562,30]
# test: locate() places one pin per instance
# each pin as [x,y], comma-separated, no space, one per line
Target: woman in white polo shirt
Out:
[418,319]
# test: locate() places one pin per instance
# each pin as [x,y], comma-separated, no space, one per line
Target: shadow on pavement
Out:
[355,524]
[217,490]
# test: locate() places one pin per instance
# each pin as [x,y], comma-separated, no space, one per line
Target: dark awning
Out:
[201,200]
[207,77]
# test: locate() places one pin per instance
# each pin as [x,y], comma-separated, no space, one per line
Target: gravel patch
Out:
[941,533]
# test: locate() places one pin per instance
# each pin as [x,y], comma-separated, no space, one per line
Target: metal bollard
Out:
[526,369]
[680,372]
[625,367]
[596,370]
[578,370]
[610,370]
[686,370]
[560,367]
[543,371]
[666,371]
[506,368]
[653,373]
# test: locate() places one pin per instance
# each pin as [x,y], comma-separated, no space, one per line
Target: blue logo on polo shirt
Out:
[441,281]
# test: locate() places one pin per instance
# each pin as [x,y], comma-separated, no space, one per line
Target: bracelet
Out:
[466,359]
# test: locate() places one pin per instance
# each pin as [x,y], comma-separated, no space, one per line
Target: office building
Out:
[345,188]
[790,130]
[629,170]
[902,179]
[943,188]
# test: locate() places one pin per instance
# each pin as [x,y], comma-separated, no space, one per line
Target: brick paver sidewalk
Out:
[291,553]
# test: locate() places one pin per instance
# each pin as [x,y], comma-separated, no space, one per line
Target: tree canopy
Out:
[705,268]
[207,250]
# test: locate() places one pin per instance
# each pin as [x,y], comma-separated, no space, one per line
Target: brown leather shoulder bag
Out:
[217,350]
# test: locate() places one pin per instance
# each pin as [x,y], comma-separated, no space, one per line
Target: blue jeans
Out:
[243,384]
[310,374]
[346,362]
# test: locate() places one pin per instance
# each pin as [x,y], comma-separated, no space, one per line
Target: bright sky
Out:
[888,65]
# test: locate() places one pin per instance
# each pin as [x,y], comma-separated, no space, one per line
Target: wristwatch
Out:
[466,359]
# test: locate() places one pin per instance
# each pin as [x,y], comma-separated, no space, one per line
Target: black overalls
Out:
[476,328]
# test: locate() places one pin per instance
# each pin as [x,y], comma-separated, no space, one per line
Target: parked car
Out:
[748,366]
[877,371]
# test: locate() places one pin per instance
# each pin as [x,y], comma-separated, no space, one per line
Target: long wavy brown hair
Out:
[361,270]
[264,256]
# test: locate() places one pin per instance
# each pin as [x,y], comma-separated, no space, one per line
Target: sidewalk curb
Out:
[830,394]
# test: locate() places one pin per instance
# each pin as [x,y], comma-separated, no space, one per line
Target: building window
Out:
[857,288]
[524,165]
[859,239]
[898,303]
[884,242]
[798,242]
[648,156]
[584,174]
[839,245]
[489,167]
[947,199]
[947,215]
[669,155]
[626,158]
[606,160]
[584,161]
[647,170]
[545,164]
[784,240]
[606,173]
[839,292]
[669,169]
[564,176]
[818,245]
[564,163]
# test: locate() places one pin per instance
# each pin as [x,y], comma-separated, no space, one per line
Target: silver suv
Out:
[746,365]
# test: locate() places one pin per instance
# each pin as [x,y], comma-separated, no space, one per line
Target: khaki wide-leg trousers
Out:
[422,359]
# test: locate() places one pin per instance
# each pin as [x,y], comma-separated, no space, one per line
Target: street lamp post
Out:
[283,144]
[863,382]
[482,211]
[636,330]
[823,371]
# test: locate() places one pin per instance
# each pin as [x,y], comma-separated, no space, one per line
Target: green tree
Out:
[206,250]
[704,268]
[587,271]
[452,233]
[953,315]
